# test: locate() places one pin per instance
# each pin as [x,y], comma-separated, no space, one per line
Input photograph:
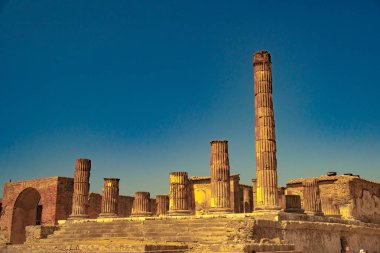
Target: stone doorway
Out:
[27,211]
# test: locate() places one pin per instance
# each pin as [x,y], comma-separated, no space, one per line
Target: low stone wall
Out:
[35,233]
[324,237]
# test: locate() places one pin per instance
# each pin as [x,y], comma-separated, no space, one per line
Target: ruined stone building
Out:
[215,213]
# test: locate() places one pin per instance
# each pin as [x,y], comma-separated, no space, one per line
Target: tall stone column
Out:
[162,204]
[110,198]
[141,204]
[266,163]
[81,189]
[254,197]
[220,177]
[178,198]
[311,197]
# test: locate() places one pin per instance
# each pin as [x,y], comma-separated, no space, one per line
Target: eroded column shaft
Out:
[179,188]
[162,202]
[311,197]
[220,177]
[110,198]
[254,197]
[81,188]
[141,204]
[266,163]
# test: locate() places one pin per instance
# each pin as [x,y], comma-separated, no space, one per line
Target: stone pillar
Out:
[254,197]
[293,204]
[266,163]
[311,197]
[110,198]
[81,189]
[162,204]
[179,188]
[247,197]
[220,177]
[141,204]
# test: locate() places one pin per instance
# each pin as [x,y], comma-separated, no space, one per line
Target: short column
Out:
[110,198]
[162,202]
[141,204]
[311,197]
[81,189]
[179,188]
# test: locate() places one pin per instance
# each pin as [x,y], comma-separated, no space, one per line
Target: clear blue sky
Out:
[141,87]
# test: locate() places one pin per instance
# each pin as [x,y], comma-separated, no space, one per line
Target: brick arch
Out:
[24,213]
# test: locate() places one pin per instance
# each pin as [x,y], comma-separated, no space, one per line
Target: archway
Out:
[27,211]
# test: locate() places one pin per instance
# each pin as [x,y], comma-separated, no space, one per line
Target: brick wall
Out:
[54,194]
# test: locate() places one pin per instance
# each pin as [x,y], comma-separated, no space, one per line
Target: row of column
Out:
[177,201]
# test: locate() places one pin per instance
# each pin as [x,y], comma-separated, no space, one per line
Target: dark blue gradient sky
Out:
[141,87]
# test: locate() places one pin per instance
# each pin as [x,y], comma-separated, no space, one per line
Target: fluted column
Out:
[110,198]
[162,204]
[254,197]
[141,204]
[178,198]
[81,189]
[311,197]
[293,204]
[266,163]
[220,177]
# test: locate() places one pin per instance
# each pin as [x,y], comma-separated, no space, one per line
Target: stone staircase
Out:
[154,235]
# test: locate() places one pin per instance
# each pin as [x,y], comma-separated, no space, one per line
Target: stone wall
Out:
[201,194]
[322,237]
[350,197]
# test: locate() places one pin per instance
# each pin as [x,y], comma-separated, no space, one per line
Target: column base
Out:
[142,214]
[178,212]
[219,210]
[78,216]
[108,215]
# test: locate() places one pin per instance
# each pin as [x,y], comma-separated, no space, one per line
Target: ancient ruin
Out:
[215,213]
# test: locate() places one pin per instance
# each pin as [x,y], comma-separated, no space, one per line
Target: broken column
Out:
[254,186]
[311,197]
[110,198]
[81,189]
[178,198]
[141,204]
[162,204]
[220,177]
[266,163]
